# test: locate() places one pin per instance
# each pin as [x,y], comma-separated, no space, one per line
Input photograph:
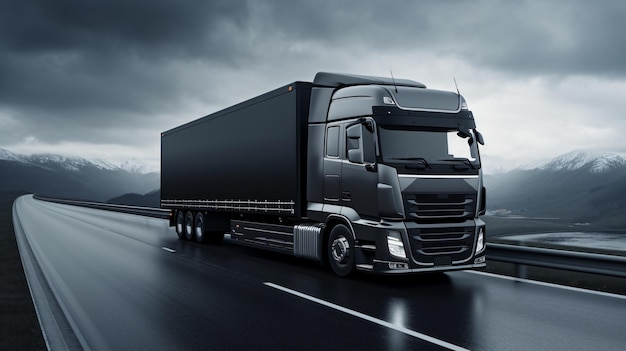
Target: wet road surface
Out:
[126,282]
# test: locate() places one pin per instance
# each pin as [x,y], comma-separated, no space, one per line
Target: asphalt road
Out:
[118,281]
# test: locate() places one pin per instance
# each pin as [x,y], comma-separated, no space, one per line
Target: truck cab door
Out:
[359,178]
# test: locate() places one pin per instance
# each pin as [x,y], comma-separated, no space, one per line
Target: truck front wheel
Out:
[340,249]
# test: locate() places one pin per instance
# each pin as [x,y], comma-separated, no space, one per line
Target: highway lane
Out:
[128,283]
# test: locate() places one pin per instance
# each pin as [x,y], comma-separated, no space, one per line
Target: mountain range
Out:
[75,178]
[577,187]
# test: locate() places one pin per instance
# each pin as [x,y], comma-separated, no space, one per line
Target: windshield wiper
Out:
[461,160]
[417,159]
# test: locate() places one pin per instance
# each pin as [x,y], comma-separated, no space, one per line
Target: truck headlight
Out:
[396,247]
[480,242]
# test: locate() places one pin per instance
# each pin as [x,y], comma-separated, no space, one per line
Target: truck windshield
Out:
[429,147]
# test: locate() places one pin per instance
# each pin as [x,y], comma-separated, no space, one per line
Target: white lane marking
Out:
[369,318]
[168,249]
[551,285]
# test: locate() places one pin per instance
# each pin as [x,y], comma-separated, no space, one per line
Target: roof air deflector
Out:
[341,79]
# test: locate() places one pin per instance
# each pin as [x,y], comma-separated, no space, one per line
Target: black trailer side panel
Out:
[248,158]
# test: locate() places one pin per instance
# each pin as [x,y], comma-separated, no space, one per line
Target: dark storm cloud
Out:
[143,25]
[69,58]
[548,37]
[115,54]
[525,37]
[95,70]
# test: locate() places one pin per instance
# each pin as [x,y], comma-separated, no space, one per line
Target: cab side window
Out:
[332,142]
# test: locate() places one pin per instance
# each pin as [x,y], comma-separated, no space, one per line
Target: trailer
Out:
[368,173]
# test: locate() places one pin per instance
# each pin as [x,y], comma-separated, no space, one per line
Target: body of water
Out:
[584,240]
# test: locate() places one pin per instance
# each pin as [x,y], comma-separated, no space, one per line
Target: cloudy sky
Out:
[102,79]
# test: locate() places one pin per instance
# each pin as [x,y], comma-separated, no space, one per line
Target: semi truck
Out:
[357,172]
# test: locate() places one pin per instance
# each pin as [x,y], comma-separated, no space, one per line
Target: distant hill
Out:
[75,178]
[151,199]
[577,187]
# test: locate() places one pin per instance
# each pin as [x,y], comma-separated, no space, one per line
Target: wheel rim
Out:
[340,250]
[189,225]
[180,220]
[199,224]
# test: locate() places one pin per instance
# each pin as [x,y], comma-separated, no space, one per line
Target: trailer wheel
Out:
[340,249]
[199,228]
[180,224]
[189,225]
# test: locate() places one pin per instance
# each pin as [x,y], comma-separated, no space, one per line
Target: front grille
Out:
[441,245]
[430,208]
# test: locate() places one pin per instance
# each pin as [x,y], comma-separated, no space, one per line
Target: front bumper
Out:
[394,267]
[434,253]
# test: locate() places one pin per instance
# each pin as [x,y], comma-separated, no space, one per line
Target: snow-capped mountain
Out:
[593,162]
[582,186]
[9,156]
[74,163]
[72,177]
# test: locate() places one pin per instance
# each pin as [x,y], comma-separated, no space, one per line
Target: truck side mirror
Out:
[354,132]
[354,136]
[369,147]
[355,155]
[479,137]
[360,143]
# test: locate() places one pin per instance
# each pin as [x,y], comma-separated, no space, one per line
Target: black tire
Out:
[199,228]
[189,225]
[340,250]
[180,225]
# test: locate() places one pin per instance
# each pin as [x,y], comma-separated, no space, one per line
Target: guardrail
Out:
[142,211]
[521,256]
[609,265]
